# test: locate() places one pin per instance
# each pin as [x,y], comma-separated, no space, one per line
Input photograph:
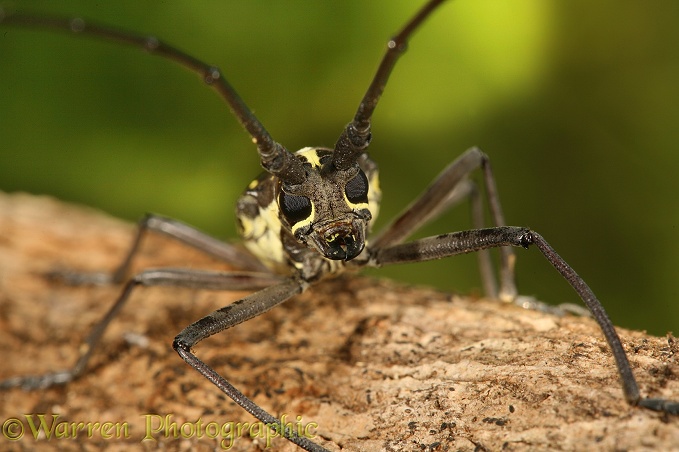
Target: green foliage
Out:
[576,103]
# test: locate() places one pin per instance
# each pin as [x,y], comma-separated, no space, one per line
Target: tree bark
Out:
[373,364]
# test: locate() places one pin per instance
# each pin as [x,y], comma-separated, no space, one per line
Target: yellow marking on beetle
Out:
[356,206]
[246,227]
[253,184]
[262,236]
[374,196]
[305,222]
[311,154]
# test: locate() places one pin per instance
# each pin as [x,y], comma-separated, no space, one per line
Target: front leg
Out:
[446,245]
[227,317]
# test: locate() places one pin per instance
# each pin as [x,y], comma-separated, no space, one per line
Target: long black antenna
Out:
[356,136]
[273,156]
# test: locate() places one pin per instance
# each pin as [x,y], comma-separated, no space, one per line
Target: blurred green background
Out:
[575,101]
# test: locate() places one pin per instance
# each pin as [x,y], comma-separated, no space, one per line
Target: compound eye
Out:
[357,189]
[294,208]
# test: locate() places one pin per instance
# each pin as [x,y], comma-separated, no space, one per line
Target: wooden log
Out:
[366,364]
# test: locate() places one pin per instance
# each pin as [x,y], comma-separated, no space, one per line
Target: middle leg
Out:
[449,188]
[175,230]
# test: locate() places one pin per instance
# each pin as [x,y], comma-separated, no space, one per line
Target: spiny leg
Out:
[176,230]
[227,317]
[154,277]
[486,269]
[194,238]
[441,195]
[478,239]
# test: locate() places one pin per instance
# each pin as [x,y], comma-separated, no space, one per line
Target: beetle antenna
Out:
[356,136]
[274,157]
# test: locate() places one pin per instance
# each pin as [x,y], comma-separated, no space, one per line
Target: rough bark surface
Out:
[376,365]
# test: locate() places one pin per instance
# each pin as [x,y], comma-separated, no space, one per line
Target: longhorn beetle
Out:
[308,217]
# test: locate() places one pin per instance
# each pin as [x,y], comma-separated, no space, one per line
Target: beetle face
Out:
[329,212]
